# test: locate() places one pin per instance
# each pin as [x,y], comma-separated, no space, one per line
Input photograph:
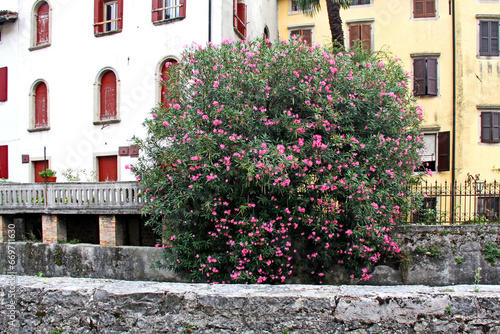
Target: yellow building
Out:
[451,49]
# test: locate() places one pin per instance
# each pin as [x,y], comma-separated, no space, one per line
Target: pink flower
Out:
[216,84]
[166,123]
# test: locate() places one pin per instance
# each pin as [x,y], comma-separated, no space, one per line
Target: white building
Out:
[81,77]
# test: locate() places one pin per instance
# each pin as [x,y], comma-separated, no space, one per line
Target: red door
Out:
[41,106]
[40,167]
[42,25]
[4,162]
[108,96]
[108,168]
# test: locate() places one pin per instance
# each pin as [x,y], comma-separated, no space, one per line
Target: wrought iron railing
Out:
[85,197]
[474,202]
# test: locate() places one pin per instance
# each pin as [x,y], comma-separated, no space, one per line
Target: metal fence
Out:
[473,202]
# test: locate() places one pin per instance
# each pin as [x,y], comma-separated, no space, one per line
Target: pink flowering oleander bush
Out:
[275,160]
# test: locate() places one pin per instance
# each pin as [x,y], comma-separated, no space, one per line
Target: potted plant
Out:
[48,174]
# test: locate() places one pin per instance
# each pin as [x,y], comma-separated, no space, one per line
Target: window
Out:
[436,154]
[108,168]
[3,84]
[490,127]
[488,38]
[4,162]
[108,16]
[359,2]
[40,21]
[240,18]
[166,10]
[106,91]
[40,107]
[294,7]
[424,8]
[165,67]
[305,33]
[425,76]
[360,33]
[489,207]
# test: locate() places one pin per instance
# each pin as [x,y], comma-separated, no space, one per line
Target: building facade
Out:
[451,50]
[78,86]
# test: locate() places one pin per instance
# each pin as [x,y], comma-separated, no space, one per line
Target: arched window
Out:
[41,119]
[166,66]
[106,97]
[40,25]
[39,107]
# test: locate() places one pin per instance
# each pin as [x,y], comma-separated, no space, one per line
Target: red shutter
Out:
[432,88]
[430,8]
[4,162]
[120,14]
[486,127]
[366,36]
[419,76]
[354,34]
[108,168]
[242,22]
[156,14]
[108,96]
[98,16]
[443,151]
[42,24]
[182,9]
[165,77]
[41,106]
[235,13]
[40,166]
[3,84]
[495,127]
[418,8]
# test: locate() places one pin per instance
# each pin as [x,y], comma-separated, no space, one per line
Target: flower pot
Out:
[51,178]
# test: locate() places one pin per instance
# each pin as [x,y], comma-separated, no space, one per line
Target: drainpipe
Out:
[454,137]
[209,21]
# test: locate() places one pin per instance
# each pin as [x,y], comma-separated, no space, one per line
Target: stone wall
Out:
[50,305]
[432,255]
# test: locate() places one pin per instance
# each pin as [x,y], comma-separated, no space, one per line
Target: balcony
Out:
[71,198]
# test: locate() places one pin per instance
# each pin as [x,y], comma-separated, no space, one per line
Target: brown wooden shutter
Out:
[494,38]
[182,9]
[432,88]
[486,122]
[443,151]
[366,36]
[495,127]
[3,84]
[4,162]
[430,8]
[120,14]
[242,14]
[108,168]
[419,76]
[42,24]
[418,8]
[354,34]
[41,106]
[307,35]
[155,13]
[98,16]
[108,96]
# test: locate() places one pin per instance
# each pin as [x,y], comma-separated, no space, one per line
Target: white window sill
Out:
[45,128]
[38,47]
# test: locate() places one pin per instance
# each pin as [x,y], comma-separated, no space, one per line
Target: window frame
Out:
[370,2]
[427,78]
[292,11]
[97,98]
[100,21]
[442,149]
[424,16]
[360,23]
[487,18]
[34,26]
[33,107]
[158,11]
[494,137]
[302,28]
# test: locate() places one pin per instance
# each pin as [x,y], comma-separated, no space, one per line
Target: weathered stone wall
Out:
[432,255]
[46,305]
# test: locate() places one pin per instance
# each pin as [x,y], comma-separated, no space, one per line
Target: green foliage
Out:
[459,260]
[449,310]
[47,172]
[188,328]
[477,279]
[491,252]
[274,160]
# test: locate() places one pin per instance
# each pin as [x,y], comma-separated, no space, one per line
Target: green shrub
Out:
[274,160]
